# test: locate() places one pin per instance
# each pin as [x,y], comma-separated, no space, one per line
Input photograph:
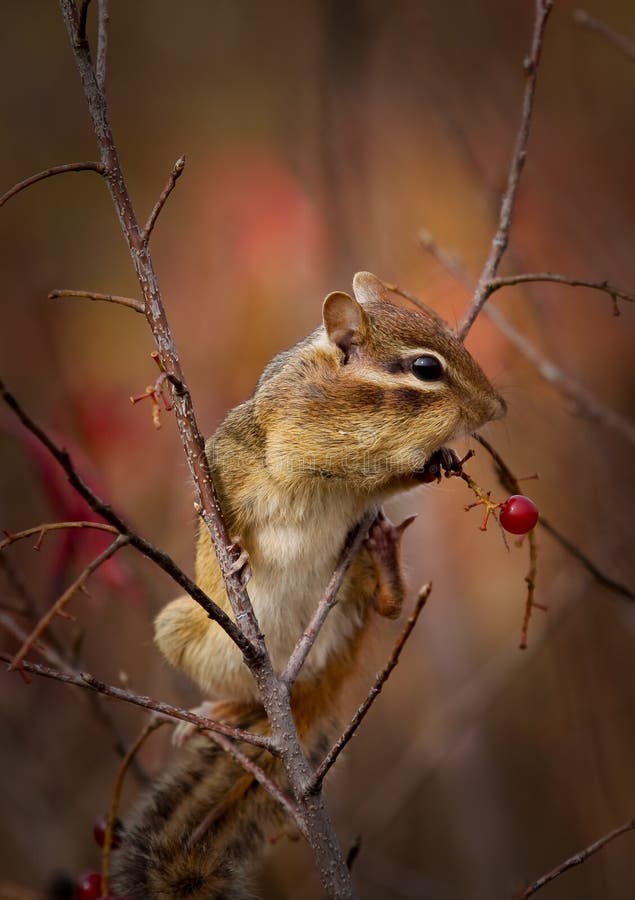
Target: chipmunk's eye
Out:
[427,368]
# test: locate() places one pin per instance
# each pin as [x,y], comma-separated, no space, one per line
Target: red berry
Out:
[99,831]
[518,514]
[89,886]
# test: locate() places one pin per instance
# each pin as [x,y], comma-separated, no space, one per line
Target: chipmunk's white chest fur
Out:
[294,554]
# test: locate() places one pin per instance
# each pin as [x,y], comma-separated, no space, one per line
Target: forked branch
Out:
[501,238]
[58,607]
[88,682]
[380,680]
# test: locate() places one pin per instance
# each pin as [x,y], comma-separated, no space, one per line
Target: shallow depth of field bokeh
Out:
[320,137]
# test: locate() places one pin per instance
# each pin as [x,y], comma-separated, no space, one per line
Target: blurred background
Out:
[320,137]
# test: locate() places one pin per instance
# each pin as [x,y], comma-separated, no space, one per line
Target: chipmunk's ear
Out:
[368,287]
[345,321]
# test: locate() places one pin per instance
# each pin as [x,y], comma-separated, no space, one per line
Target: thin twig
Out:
[175,174]
[577,859]
[191,437]
[95,701]
[501,238]
[510,483]
[528,277]
[89,682]
[586,20]
[126,762]
[105,511]
[352,546]
[51,654]
[103,24]
[584,402]
[46,527]
[130,302]
[380,680]
[601,577]
[61,602]
[262,778]
[275,697]
[329,857]
[48,173]
[530,581]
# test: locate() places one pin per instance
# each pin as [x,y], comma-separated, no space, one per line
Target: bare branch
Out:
[103,509]
[259,774]
[45,528]
[380,680]
[48,173]
[175,174]
[586,20]
[510,483]
[583,400]
[577,859]
[601,577]
[57,607]
[501,238]
[275,697]
[510,280]
[87,681]
[95,701]
[352,546]
[9,623]
[130,302]
[192,440]
[103,23]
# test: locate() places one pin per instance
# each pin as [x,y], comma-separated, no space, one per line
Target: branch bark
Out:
[275,696]
[130,302]
[89,682]
[57,607]
[382,677]
[577,859]
[501,238]
[106,512]
[353,545]
[49,173]
[529,277]
[586,20]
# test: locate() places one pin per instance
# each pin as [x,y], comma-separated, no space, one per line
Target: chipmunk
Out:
[358,411]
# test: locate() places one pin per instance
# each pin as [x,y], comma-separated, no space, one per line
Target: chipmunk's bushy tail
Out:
[200,832]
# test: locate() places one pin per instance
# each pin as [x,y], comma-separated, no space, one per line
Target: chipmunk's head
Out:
[377,390]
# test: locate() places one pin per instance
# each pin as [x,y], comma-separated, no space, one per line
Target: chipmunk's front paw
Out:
[443,461]
[383,537]
[186,730]
[383,545]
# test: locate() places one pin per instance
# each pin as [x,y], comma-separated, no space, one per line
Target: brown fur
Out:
[337,424]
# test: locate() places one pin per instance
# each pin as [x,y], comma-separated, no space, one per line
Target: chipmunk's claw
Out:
[240,565]
[384,535]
